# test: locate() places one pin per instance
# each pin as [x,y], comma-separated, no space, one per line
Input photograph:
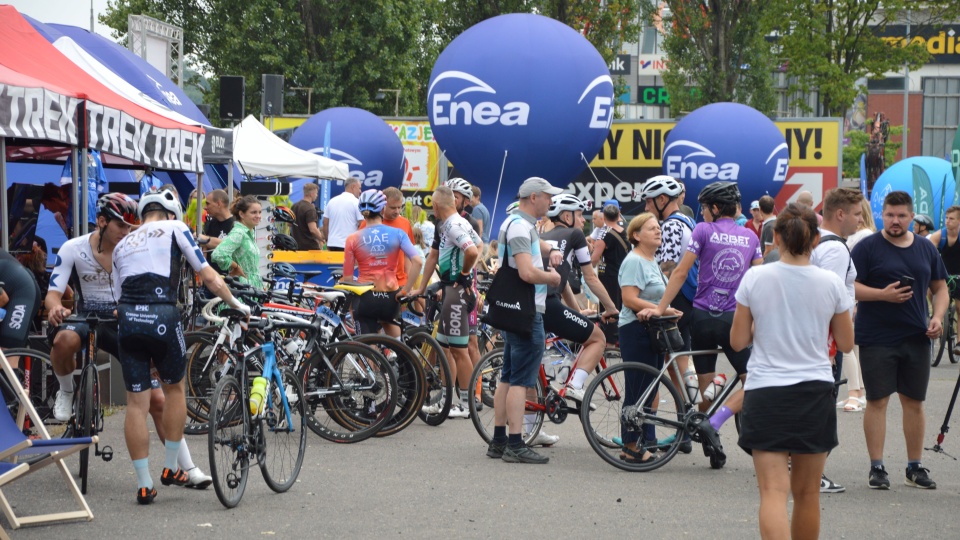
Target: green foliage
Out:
[717,48]
[858,146]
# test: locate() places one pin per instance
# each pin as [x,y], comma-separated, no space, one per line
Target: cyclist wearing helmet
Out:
[146,271]
[392,218]
[565,213]
[725,251]
[375,249]
[463,196]
[238,253]
[923,225]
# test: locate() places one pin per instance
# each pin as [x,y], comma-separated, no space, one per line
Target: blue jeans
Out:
[522,355]
[635,346]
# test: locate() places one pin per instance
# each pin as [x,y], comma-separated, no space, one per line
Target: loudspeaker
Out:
[264,189]
[231,97]
[271,102]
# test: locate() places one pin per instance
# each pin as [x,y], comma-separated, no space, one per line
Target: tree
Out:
[829,45]
[717,52]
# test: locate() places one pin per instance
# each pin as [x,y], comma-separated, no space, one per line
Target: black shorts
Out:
[454,329]
[566,323]
[710,331]
[800,418]
[150,333]
[106,334]
[903,368]
[610,330]
[685,324]
[375,306]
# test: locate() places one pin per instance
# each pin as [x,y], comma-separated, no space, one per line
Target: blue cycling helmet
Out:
[373,200]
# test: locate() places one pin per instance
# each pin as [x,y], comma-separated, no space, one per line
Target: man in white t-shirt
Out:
[342,215]
[842,214]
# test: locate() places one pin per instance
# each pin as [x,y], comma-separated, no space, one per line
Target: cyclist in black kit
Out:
[146,280]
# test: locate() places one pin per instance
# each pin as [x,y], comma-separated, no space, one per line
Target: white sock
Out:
[66,382]
[172,449]
[183,458]
[529,420]
[579,377]
[465,398]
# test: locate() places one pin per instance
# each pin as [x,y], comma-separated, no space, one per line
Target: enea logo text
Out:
[368,178]
[448,111]
[602,115]
[706,168]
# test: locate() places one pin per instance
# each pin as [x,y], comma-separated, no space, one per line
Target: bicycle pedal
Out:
[106,454]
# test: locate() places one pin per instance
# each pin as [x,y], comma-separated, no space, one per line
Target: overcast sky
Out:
[73,12]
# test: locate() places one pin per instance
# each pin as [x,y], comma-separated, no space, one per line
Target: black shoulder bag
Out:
[510,300]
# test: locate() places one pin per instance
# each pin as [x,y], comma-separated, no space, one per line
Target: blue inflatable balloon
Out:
[363,141]
[929,180]
[522,87]
[727,141]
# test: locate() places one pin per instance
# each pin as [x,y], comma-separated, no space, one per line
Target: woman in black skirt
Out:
[786,310]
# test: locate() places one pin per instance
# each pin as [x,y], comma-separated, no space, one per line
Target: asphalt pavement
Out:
[436,482]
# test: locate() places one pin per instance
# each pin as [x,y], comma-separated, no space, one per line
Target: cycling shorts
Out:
[375,306]
[150,333]
[565,322]
[454,330]
[711,331]
[106,333]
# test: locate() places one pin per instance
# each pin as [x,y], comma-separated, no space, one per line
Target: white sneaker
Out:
[431,409]
[458,411]
[198,479]
[544,439]
[576,394]
[63,408]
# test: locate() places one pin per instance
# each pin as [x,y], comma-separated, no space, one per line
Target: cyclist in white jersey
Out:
[83,264]
[146,281]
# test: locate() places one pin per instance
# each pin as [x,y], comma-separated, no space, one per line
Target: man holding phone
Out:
[895,268]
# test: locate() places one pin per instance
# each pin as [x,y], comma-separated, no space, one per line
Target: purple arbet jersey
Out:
[726,251]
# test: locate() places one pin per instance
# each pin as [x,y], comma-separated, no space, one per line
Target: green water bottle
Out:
[258,395]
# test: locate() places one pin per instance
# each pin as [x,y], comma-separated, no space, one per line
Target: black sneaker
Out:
[495,449]
[918,477]
[175,478]
[829,486]
[146,495]
[878,478]
[686,447]
[524,454]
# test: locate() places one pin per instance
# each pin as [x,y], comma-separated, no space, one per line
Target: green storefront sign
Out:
[655,95]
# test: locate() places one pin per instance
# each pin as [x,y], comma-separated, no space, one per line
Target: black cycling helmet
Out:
[719,193]
[283,242]
[284,270]
[924,220]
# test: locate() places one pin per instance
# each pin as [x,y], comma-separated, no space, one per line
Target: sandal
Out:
[853,405]
[628,455]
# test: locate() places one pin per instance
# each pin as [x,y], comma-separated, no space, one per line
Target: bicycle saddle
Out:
[355,288]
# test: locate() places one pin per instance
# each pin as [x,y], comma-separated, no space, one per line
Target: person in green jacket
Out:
[238,252]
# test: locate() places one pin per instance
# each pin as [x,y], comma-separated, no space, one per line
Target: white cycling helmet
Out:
[164,198]
[461,186]
[513,207]
[661,185]
[563,202]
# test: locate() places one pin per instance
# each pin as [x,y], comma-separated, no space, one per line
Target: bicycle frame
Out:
[557,342]
[272,372]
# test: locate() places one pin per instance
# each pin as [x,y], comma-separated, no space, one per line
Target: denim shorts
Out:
[522,356]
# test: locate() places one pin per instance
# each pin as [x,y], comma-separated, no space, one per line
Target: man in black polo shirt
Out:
[306,231]
[218,225]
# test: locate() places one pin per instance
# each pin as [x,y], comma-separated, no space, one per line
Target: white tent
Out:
[258,152]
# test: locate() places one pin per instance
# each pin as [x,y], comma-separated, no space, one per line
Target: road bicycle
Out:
[272,433]
[947,342]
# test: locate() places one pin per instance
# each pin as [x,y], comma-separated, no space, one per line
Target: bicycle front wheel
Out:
[439,382]
[86,420]
[609,419]
[228,442]
[284,440]
[484,382]
[411,380]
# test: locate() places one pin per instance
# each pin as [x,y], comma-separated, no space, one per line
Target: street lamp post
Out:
[396,104]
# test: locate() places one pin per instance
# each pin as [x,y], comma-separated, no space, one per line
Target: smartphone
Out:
[906,281]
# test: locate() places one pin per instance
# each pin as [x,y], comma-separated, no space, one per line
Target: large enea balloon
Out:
[929,180]
[727,141]
[522,84]
[358,138]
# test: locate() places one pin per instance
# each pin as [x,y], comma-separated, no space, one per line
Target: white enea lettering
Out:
[780,173]
[485,113]
[676,167]
[602,115]
[730,239]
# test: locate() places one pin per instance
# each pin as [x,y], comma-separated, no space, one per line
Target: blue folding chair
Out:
[35,454]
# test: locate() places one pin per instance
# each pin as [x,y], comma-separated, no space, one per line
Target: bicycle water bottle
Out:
[715,387]
[693,385]
[564,370]
[258,395]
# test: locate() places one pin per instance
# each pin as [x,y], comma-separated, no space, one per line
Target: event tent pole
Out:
[84,193]
[230,180]
[74,190]
[200,199]
[5,241]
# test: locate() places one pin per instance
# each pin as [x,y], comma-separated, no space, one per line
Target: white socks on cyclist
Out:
[529,420]
[142,469]
[172,452]
[579,377]
[66,382]
[465,398]
[184,458]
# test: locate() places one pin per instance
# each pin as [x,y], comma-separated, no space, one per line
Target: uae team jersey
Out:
[572,244]
[147,262]
[726,251]
[376,250]
[455,236]
[76,266]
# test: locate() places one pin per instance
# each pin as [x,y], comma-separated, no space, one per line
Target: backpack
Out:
[689,288]
[835,238]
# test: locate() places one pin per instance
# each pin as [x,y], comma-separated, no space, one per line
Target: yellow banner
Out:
[814,143]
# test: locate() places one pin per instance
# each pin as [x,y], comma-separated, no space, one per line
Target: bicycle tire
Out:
[43,385]
[86,422]
[227,441]
[952,334]
[603,419]
[328,407]
[437,370]
[411,381]
[199,384]
[278,464]
[486,377]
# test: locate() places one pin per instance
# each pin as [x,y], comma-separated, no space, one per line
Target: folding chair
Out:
[37,453]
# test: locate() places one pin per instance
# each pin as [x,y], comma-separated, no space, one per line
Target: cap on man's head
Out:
[613,202]
[535,184]
[755,205]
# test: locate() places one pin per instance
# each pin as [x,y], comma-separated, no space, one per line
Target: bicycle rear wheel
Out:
[605,426]
[227,441]
[284,442]
[35,373]
[411,380]
[351,402]
[484,381]
[85,418]
[439,396]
